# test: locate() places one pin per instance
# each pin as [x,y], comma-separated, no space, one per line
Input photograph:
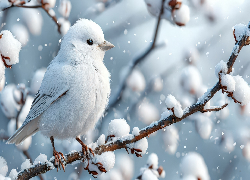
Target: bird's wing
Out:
[54,86]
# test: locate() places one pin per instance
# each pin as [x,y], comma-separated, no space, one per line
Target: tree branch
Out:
[117,97]
[38,6]
[145,132]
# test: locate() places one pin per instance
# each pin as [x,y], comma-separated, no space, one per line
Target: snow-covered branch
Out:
[120,138]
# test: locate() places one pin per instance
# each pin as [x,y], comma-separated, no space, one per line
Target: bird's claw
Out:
[58,161]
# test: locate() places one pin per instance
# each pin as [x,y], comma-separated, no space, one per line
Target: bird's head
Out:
[86,37]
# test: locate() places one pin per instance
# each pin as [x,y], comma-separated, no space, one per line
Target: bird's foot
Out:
[58,161]
[85,149]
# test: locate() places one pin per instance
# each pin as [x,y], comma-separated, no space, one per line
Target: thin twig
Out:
[117,97]
[145,132]
[38,6]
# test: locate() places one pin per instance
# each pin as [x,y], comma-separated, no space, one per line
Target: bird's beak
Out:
[106,46]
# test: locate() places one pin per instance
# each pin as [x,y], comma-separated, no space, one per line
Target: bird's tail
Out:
[24,132]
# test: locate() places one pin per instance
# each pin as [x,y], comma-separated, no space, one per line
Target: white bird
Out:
[75,89]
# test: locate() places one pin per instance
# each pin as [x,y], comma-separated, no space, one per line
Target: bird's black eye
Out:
[90,42]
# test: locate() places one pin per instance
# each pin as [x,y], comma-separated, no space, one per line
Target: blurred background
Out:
[182,65]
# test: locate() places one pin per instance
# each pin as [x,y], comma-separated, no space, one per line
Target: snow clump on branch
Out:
[174,11]
[9,50]
[174,106]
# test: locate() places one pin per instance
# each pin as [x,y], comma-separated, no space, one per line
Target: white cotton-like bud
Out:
[37,80]
[221,67]
[73,176]
[113,174]
[101,140]
[228,81]
[152,161]
[126,166]
[24,146]
[171,102]
[26,108]
[227,142]
[21,33]
[148,175]
[182,15]
[192,55]
[242,90]
[64,8]
[9,47]
[170,137]
[154,7]
[26,164]
[3,166]
[148,113]
[13,174]
[166,114]
[204,126]
[2,80]
[136,81]
[136,131]
[193,164]
[239,31]
[8,103]
[65,25]
[246,151]
[42,158]
[107,159]
[142,145]
[33,19]
[157,84]
[191,79]
[118,128]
